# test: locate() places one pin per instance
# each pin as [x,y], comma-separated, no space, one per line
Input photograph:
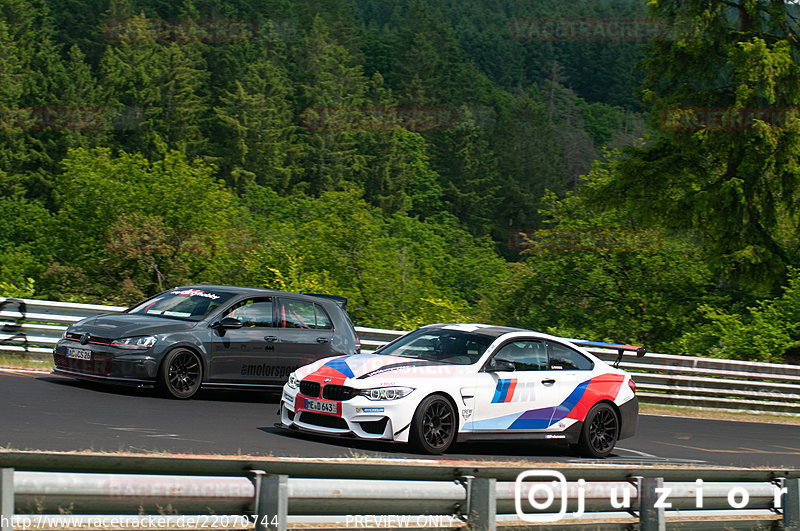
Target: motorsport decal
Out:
[265,369]
[510,390]
[395,366]
[195,293]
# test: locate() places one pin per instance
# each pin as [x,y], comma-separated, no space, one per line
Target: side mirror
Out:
[496,365]
[229,323]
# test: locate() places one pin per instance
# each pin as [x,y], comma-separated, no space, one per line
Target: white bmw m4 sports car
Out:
[455,382]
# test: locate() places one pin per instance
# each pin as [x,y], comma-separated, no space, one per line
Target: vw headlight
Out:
[136,343]
[293,382]
[386,393]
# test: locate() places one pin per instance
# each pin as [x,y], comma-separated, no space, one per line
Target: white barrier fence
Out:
[31,328]
[76,490]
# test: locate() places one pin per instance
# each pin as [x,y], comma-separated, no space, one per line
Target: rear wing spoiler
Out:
[621,349]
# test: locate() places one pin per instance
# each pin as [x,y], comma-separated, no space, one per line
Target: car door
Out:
[513,390]
[246,354]
[569,373]
[303,332]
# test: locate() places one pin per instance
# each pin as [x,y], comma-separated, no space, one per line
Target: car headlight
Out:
[386,393]
[141,342]
[293,382]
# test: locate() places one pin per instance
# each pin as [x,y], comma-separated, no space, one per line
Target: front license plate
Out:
[79,353]
[322,407]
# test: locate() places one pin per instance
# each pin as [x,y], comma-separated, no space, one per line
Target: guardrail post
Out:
[6,498]
[272,501]
[791,505]
[481,503]
[651,518]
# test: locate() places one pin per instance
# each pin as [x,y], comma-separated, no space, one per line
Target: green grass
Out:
[718,414]
[21,361]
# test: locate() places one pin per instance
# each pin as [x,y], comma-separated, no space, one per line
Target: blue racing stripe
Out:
[534,419]
[564,408]
[539,419]
[501,391]
[341,365]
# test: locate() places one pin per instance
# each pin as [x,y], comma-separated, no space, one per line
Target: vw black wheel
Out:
[181,374]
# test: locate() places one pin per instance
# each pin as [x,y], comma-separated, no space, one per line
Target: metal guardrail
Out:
[31,327]
[266,493]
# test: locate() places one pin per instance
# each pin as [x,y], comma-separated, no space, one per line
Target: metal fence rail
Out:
[31,328]
[69,489]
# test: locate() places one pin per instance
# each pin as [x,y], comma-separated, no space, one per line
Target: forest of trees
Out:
[431,160]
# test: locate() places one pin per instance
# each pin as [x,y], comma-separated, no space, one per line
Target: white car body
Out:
[550,402]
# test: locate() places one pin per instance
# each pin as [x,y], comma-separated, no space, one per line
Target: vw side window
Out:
[302,314]
[563,358]
[323,321]
[296,314]
[254,313]
[525,355]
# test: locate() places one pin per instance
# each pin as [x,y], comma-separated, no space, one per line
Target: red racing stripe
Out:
[603,387]
[324,373]
[510,393]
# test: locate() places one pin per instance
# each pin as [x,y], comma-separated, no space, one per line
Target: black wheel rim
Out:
[437,424]
[184,372]
[603,431]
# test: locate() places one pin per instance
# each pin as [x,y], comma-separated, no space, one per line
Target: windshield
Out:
[183,304]
[446,346]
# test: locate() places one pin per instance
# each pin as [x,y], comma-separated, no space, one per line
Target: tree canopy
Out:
[431,160]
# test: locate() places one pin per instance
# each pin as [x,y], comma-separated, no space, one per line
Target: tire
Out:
[600,431]
[434,425]
[181,374]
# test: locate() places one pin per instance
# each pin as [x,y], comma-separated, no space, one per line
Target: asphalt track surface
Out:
[39,411]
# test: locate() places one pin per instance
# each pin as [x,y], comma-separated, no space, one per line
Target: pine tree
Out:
[714,166]
[469,173]
[158,91]
[13,152]
[332,98]
[530,162]
[257,143]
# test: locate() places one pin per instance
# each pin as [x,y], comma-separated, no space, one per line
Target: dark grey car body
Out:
[260,354]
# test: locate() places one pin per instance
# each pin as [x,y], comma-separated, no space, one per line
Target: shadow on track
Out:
[471,450]
[212,395]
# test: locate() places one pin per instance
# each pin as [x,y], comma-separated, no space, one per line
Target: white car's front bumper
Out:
[387,420]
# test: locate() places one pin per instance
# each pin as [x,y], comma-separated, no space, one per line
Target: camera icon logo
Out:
[540,495]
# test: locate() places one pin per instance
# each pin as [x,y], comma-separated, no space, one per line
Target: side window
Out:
[295,314]
[302,314]
[525,355]
[323,321]
[252,313]
[563,358]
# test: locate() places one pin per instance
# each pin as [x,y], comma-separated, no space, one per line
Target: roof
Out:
[479,328]
[260,291]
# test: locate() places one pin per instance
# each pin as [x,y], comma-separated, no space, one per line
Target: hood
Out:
[114,326]
[371,369]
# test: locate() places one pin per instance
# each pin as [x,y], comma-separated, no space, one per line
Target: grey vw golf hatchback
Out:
[208,336]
